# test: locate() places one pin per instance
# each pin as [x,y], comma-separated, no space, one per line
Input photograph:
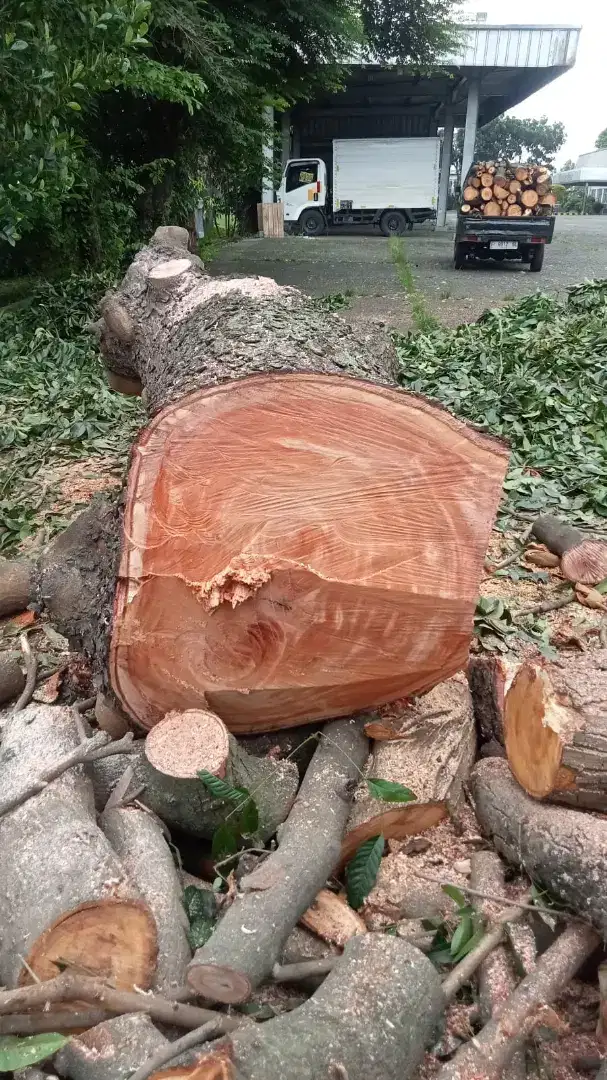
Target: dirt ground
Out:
[361,264]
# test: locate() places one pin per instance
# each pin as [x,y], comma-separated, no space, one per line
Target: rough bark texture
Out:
[374,1016]
[490,678]
[433,761]
[556,729]
[582,558]
[488,1053]
[110,1051]
[561,849]
[249,939]
[12,679]
[64,893]
[186,804]
[15,586]
[138,840]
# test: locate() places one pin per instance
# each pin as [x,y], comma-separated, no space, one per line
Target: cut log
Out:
[475,182]
[112,1050]
[556,729]
[499,192]
[470,194]
[487,179]
[167,770]
[433,761]
[12,679]
[521,174]
[511,199]
[560,849]
[493,209]
[16,586]
[65,897]
[138,840]
[250,937]
[529,198]
[582,558]
[465,208]
[331,918]
[374,1015]
[515,186]
[514,210]
[486,194]
[490,678]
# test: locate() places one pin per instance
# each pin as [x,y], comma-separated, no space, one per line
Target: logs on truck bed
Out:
[563,850]
[373,1016]
[287,539]
[556,729]
[582,558]
[507,191]
[433,761]
[166,767]
[65,897]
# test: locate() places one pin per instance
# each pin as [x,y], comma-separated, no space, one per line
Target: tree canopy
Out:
[509,138]
[601,141]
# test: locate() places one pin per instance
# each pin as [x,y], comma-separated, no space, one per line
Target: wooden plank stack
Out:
[503,189]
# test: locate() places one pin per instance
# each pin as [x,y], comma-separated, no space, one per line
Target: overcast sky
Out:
[577,98]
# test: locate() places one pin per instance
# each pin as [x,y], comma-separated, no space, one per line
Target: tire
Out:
[537,259]
[459,257]
[393,223]
[312,223]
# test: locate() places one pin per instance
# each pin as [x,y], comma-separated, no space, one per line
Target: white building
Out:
[590,172]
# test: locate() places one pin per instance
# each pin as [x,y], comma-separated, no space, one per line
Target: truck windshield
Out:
[300,173]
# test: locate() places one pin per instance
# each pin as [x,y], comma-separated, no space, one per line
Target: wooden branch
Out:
[248,941]
[545,606]
[488,1053]
[305,969]
[12,679]
[496,933]
[582,559]
[56,1020]
[175,1049]
[112,1050]
[31,670]
[16,577]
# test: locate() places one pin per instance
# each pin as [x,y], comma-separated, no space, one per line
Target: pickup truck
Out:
[524,239]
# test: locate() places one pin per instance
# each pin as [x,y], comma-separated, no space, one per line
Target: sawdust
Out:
[183,743]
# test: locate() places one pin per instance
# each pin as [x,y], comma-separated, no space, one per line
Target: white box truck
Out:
[390,183]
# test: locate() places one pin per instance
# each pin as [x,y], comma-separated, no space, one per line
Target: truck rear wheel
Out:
[393,223]
[537,259]
[312,223]
[459,257]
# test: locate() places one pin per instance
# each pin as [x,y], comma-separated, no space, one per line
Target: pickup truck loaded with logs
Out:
[507,212]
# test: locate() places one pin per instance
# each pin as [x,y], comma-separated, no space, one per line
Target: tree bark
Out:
[249,939]
[65,896]
[433,761]
[582,558]
[556,729]
[182,801]
[112,1050]
[139,842]
[373,1016]
[15,586]
[490,678]
[12,679]
[560,849]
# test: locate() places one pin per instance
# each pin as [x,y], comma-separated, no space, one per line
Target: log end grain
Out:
[214,982]
[184,743]
[534,722]
[586,562]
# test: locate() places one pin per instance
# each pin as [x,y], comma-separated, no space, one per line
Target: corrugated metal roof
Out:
[516,47]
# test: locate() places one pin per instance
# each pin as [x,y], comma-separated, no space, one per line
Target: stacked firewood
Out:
[501,189]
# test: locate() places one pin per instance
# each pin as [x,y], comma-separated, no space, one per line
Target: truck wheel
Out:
[312,223]
[537,259]
[393,223]
[459,257]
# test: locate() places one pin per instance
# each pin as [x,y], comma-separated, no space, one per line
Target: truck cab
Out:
[303,193]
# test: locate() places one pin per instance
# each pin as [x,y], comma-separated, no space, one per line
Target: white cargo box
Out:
[381,173]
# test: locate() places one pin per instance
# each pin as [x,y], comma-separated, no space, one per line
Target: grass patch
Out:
[536,374]
[424,321]
[334,301]
[55,405]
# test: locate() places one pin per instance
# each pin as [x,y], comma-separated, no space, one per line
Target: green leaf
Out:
[470,944]
[362,870]
[19,45]
[18,1052]
[199,903]
[248,819]
[389,791]
[220,790]
[455,894]
[200,931]
[463,932]
[224,842]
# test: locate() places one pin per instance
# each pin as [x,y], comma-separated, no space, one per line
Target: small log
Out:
[500,192]
[465,208]
[549,199]
[138,840]
[16,585]
[559,848]
[433,761]
[181,745]
[499,180]
[556,729]
[374,1015]
[487,179]
[475,182]
[470,194]
[12,679]
[65,896]
[492,209]
[515,186]
[486,194]
[582,558]
[490,678]
[112,1050]
[331,918]
[521,174]
[514,210]
[529,198]
[511,199]
[249,939]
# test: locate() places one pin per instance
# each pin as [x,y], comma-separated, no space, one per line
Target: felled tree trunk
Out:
[490,678]
[561,849]
[433,761]
[373,1016]
[65,897]
[111,1050]
[556,729]
[167,767]
[299,545]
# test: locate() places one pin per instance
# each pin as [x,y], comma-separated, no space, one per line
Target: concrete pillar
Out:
[285,132]
[267,150]
[445,167]
[471,126]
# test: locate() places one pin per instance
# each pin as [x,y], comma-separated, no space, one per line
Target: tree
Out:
[509,138]
[601,142]
[569,165]
[414,32]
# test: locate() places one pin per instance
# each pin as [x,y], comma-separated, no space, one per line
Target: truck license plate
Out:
[503,245]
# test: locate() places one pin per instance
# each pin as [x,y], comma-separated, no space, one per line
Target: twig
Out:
[86,705]
[505,901]
[60,1020]
[92,750]
[173,1050]
[287,973]
[69,987]
[466,968]
[546,605]
[516,555]
[31,670]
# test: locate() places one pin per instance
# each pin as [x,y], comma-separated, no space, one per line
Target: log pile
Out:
[260,575]
[501,189]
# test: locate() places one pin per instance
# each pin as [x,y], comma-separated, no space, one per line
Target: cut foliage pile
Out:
[535,374]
